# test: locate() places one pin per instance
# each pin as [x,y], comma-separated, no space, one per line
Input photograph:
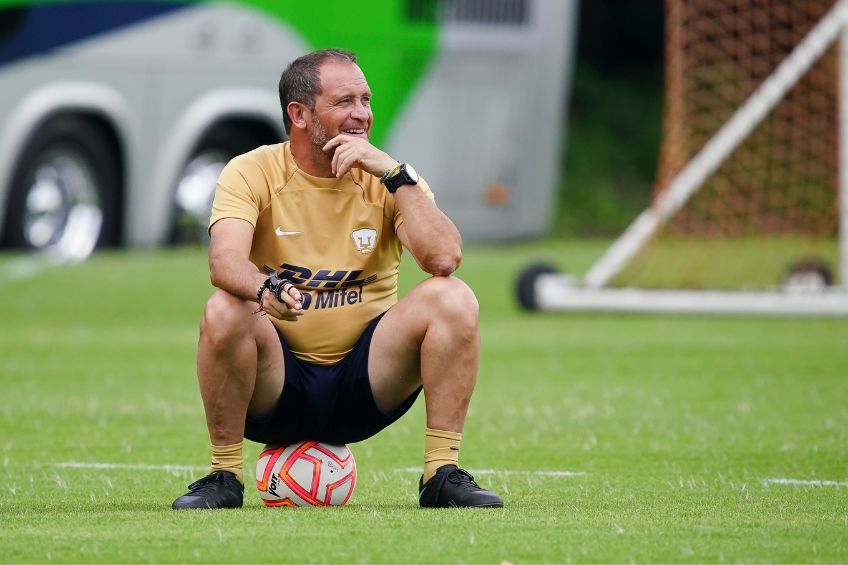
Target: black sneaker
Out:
[220,489]
[452,487]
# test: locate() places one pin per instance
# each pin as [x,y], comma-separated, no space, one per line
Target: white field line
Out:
[32,264]
[504,472]
[22,268]
[417,470]
[807,483]
[131,466]
[183,468]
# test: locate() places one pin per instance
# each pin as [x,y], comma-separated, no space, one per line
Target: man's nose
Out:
[360,111]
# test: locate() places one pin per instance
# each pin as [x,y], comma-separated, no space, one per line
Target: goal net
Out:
[747,194]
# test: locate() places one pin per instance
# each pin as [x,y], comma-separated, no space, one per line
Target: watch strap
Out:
[390,173]
[397,179]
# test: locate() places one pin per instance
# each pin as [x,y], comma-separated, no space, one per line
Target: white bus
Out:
[116,117]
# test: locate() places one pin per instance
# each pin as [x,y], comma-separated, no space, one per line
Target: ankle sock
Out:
[228,458]
[440,448]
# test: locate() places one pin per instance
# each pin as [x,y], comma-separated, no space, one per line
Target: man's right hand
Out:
[350,152]
[290,308]
[231,270]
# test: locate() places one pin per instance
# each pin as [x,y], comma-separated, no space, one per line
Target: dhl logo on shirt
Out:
[334,287]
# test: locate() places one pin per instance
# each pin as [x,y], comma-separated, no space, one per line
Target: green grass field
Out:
[612,438]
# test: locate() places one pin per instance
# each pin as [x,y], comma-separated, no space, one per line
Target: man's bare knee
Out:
[450,299]
[225,317]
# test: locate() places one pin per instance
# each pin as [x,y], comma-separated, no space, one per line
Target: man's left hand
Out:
[356,152]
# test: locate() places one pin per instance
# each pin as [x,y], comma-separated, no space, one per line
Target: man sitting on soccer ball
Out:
[330,353]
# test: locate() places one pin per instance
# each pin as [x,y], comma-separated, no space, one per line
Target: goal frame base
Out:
[558,292]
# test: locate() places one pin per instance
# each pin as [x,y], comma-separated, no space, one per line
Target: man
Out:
[322,349]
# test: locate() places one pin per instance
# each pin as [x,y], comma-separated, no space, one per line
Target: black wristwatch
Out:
[398,176]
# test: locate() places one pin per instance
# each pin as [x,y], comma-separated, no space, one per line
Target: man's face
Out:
[344,105]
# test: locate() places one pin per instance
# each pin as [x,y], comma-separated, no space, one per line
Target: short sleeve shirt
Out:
[335,239]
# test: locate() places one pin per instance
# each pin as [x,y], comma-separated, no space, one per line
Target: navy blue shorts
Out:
[333,404]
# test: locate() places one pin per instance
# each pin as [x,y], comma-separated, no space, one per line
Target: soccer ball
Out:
[308,473]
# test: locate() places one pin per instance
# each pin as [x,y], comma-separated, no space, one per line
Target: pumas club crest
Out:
[364,239]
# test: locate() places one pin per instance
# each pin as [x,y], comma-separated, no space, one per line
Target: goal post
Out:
[768,168]
[843,145]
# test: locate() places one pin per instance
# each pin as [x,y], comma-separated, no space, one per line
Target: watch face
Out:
[411,172]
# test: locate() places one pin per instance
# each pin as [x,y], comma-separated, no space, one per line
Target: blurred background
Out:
[528,117]
[531,119]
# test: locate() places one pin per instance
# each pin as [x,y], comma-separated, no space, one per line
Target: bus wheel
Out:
[64,191]
[197,181]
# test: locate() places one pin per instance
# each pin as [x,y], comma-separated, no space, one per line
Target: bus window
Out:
[10,22]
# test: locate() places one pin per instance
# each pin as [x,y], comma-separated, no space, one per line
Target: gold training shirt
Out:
[333,238]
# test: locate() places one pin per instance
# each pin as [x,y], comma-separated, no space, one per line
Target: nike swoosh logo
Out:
[279,231]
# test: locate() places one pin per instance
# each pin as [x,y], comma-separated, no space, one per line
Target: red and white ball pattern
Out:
[308,473]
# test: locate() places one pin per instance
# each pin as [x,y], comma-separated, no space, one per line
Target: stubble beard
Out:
[318,136]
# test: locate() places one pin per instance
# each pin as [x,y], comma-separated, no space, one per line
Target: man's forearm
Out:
[431,236]
[235,274]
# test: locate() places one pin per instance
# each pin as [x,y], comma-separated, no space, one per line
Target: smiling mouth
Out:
[356,131]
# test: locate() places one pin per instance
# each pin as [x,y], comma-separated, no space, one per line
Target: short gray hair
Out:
[301,80]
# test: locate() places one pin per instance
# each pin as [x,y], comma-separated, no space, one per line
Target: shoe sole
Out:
[492,505]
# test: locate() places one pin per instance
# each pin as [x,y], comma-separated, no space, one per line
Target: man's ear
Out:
[298,114]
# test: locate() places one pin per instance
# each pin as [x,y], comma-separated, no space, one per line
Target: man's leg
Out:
[431,338]
[240,368]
